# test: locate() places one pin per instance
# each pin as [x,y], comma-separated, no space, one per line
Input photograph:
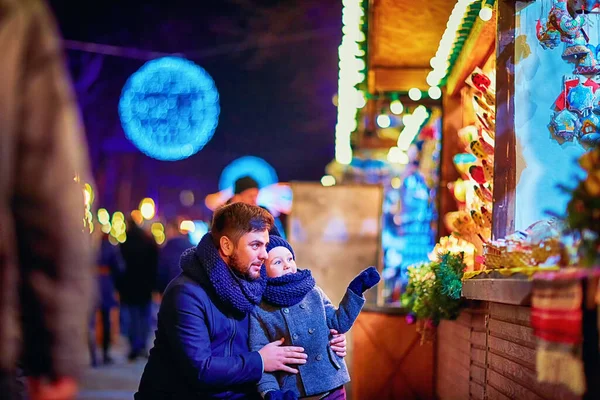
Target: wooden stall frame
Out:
[503,222]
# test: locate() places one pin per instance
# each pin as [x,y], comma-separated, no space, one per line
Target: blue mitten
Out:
[281,395]
[364,281]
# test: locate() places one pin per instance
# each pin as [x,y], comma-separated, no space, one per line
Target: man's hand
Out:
[275,357]
[64,388]
[338,343]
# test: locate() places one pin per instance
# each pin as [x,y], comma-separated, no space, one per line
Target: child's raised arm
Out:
[342,318]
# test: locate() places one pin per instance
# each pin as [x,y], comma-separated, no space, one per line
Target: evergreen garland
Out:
[433,291]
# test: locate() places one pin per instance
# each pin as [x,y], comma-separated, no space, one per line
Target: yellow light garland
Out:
[350,99]
[441,62]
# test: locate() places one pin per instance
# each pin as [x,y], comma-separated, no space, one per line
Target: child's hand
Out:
[364,281]
[281,395]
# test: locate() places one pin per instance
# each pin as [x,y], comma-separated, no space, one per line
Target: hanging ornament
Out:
[590,131]
[478,218]
[467,135]
[565,126]
[481,82]
[488,170]
[590,124]
[488,123]
[547,34]
[580,99]
[464,161]
[569,82]
[481,151]
[487,215]
[487,147]
[588,65]
[571,31]
[477,174]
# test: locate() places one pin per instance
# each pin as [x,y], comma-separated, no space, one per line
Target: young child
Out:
[295,309]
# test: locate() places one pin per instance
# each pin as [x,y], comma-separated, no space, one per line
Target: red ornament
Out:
[477,174]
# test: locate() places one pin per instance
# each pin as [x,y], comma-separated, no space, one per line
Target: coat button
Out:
[311,331]
[295,336]
[302,306]
[286,310]
[319,357]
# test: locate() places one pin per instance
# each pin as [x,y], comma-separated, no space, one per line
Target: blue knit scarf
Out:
[205,265]
[287,290]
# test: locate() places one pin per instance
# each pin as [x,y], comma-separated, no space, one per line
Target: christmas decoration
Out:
[572,120]
[434,288]
[580,99]
[565,126]
[169,108]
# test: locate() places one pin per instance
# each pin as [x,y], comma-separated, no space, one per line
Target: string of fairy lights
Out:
[352,94]
[352,73]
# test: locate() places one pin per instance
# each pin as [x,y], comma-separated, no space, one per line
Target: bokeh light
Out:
[169,108]
[147,208]
[327,180]
[396,107]
[260,170]
[201,228]
[186,197]
[187,226]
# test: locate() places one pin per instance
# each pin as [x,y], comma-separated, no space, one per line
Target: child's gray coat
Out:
[306,324]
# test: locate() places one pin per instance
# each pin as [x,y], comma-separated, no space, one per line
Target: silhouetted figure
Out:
[170,253]
[110,268]
[140,253]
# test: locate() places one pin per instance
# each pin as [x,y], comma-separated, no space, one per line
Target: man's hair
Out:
[236,219]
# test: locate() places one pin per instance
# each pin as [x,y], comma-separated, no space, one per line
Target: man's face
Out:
[249,196]
[249,254]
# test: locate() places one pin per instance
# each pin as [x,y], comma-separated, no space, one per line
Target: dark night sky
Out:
[275,100]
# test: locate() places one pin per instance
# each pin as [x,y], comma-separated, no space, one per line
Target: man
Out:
[45,259]
[201,347]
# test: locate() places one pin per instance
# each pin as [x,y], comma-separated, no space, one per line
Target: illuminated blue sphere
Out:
[169,108]
[257,168]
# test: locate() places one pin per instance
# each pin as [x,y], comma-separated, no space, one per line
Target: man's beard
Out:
[240,270]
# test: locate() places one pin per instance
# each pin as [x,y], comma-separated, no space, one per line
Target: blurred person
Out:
[45,257]
[246,190]
[140,253]
[110,268]
[201,346]
[169,255]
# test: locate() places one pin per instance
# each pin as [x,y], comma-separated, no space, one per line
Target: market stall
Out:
[475,129]
[526,325]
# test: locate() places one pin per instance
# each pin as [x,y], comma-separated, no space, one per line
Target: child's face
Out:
[280,262]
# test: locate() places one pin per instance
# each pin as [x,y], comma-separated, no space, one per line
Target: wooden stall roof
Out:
[403,37]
